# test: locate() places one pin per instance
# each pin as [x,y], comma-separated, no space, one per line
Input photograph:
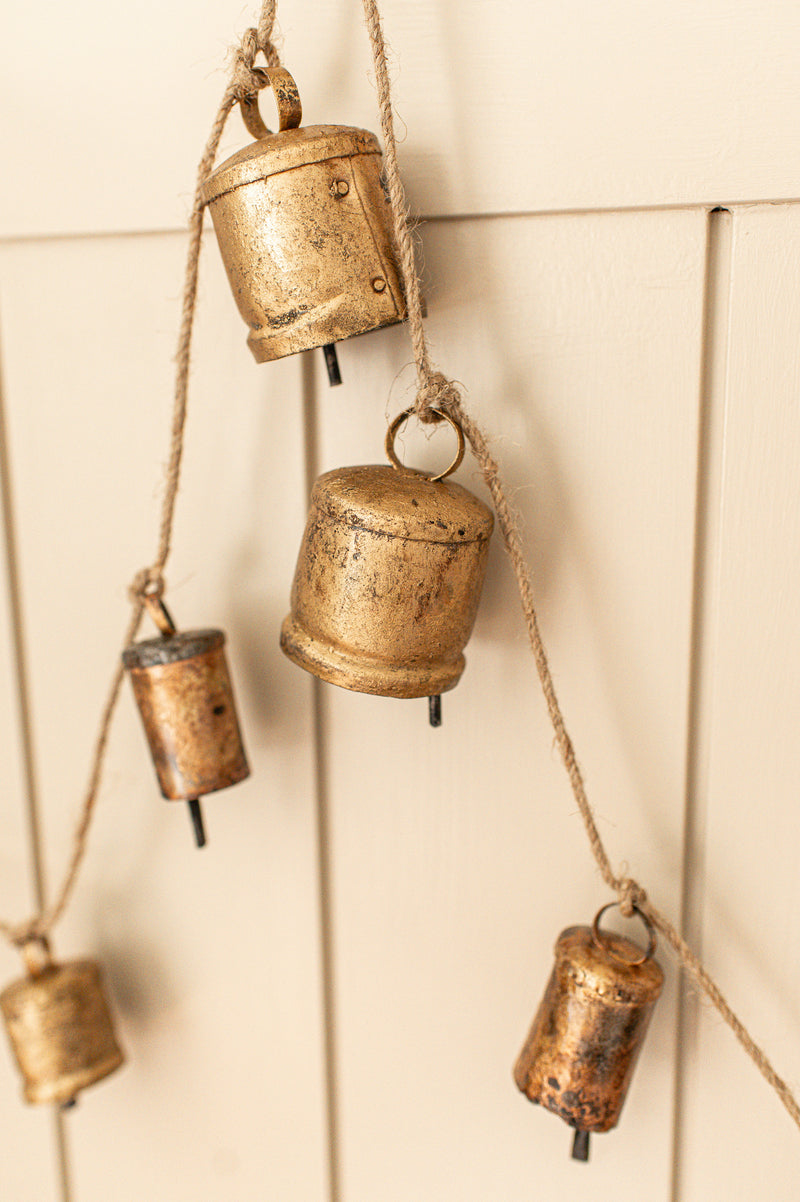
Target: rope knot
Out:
[437,392]
[246,79]
[631,896]
[149,582]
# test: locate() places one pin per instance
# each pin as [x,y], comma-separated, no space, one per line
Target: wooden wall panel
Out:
[737,1137]
[213,956]
[456,854]
[28,1154]
[510,109]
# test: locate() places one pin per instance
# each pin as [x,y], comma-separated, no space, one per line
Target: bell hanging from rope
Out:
[184,693]
[388,578]
[60,1028]
[587,1034]
[304,229]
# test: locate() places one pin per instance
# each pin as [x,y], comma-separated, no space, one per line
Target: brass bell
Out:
[388,578]
[581,1050]
[304,229]
[60,1029]
[185,697]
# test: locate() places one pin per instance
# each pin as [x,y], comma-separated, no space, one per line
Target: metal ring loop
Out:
[160,614]
[287,98]
[404,416]
[36,954]
[606,945]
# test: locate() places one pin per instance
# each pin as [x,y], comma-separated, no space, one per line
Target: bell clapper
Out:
[197,821]
[332,364]
[580,1145]
[435,710]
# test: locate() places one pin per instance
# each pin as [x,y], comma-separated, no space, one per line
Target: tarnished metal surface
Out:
[581,1050]
[303,226]
[183,689]
[60,1029]
[388,581]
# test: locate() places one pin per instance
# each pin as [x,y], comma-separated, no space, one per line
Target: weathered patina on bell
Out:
[60,1029]
[580,1052]
[388,579]
[304,229]
[185,697]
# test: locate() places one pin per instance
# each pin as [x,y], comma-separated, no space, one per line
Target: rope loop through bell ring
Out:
[607,945]
[391,434]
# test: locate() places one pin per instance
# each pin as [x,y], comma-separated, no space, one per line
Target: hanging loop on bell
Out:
[391,434]
[609,945]
[161,616]
[35,952]
[287,98]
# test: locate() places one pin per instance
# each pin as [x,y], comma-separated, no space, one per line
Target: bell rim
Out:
[318,142]
[175,648]
[272,345]
[476,519]
[338,667]
[66,1086]
[579,956]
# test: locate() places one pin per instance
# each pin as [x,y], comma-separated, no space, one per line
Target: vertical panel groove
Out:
[31,799]
[323,836]
[711,432]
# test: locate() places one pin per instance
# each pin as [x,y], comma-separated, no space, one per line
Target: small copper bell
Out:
[60,1029]
[303,226]
[183,689]
[580,1052]
[388,578]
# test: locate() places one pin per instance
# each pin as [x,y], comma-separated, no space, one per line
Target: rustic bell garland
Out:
[579,1056]
[389,578]
[435,391]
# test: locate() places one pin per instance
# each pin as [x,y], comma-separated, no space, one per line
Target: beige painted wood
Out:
[456,854]
[213,956]
[737,1138]
[502,108]
[28,1159]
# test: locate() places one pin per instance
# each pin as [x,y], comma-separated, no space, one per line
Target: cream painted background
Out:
[325,1005]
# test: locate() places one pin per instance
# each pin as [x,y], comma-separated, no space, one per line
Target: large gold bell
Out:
[60,1029]
[303,226]
[582,1048]
[388,580]
[184,693]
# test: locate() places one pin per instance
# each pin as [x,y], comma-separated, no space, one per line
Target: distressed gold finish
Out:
[304,229]
[581,1050]
[60,1029]
[388,581]
[183,689]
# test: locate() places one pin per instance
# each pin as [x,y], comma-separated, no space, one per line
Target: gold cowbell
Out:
[304,228]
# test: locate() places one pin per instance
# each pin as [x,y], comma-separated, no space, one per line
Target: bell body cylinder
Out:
[582,1048]
[303,226]
[183,689]
[388,581]
[60,1029]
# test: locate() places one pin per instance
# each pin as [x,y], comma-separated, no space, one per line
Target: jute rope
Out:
[149,582]
[435,390]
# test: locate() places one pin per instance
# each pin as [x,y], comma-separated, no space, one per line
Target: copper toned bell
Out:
[388,579]
[183,689]
[60,1029]
[581,1050]
[303,226]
